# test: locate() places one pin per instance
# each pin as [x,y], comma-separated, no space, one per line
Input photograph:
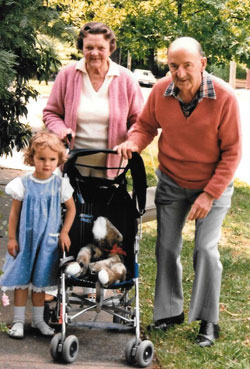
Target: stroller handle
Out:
[75,153]
[135,164]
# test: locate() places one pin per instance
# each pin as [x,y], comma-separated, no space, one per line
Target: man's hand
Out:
[201,206]
[126,148]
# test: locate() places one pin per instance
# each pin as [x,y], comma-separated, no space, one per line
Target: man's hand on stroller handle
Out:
[126,148]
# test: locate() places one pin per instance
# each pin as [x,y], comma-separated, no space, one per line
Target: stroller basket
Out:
[109,198]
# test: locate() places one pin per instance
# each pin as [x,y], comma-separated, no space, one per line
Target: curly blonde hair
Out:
[45,139]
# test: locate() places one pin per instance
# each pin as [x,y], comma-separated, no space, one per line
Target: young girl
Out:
[34,226]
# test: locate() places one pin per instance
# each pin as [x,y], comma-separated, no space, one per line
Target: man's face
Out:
[186,66]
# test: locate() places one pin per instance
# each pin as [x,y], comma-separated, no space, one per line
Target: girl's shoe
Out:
[16,331]
[44,328]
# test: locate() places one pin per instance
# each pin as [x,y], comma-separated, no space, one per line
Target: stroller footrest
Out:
[102,325]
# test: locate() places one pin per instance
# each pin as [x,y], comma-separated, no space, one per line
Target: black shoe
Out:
[164,324]
[208,333]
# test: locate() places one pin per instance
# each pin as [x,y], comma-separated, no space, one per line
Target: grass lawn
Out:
[175,348]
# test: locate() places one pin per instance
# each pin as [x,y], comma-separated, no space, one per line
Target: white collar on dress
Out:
[42,180]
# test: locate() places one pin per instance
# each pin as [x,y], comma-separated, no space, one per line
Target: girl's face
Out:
[45,162]
[96,51]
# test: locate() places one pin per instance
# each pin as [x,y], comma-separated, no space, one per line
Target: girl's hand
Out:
[64,241]
[13,247]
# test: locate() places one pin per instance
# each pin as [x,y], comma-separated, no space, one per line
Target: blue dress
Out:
[40,220]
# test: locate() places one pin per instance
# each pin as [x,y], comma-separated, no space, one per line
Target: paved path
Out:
[243,171]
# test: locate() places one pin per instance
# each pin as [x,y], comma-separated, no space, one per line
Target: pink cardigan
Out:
[125,97]
[198,152]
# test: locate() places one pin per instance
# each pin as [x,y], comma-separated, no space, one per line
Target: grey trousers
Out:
[173,204]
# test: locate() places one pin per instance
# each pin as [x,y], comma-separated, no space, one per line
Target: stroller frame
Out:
[126,317]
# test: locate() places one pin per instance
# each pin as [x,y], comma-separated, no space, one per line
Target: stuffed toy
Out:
[103,257]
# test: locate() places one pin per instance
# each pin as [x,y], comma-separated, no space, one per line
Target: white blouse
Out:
[16,190]
[93,110]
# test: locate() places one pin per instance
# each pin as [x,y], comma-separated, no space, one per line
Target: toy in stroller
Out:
[101,201]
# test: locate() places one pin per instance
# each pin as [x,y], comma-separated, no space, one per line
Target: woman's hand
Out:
[64,241]
[126,148]
[13,247]
[64,133]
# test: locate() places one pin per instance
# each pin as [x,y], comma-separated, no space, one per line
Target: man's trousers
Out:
[173,204]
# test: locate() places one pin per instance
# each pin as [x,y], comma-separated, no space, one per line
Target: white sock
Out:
[19,314]
[37,314]
[38,321]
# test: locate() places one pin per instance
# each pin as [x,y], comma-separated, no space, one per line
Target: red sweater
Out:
[198,152]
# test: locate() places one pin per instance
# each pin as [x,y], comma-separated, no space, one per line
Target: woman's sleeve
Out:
[66,190]
[53,113]
[136,103]
[15,189]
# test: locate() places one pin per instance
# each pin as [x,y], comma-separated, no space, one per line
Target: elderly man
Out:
[199,150]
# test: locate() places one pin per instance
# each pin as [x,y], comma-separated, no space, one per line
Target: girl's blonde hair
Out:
[45,139]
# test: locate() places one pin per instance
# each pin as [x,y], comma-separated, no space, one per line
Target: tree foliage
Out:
[142,27]
[24,54]
[222,26]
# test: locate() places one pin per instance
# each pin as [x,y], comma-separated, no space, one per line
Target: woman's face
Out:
[96,51]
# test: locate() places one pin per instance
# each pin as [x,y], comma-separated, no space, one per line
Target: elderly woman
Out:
[95,99]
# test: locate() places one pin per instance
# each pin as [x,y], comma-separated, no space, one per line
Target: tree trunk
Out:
[151,60]
[232,76]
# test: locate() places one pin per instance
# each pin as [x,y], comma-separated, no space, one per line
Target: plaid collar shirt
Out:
[206,91]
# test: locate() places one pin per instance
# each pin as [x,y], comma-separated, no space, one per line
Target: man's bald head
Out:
[189,43]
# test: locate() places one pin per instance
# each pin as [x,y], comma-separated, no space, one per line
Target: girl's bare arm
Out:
[64,239]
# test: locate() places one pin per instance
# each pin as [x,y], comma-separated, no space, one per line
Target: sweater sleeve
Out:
[146,126]
[229,140]
[54,112]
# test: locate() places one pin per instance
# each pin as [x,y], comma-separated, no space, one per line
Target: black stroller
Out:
[95,196]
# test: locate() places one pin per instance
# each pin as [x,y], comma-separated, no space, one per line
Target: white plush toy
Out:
[103,256]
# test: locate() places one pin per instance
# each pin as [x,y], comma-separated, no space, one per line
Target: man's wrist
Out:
[209,196]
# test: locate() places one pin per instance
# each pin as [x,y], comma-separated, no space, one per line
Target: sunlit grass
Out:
[176,349]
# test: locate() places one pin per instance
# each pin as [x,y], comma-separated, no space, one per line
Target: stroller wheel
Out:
[130,351]
[145,353]
[54,345]
[70,349]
